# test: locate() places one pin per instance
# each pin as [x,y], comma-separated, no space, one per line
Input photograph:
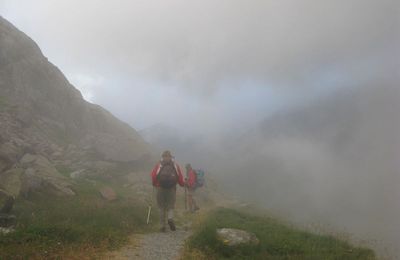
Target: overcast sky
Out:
[216,63]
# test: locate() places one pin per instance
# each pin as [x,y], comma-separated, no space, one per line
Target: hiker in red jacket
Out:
[165,175]
[191,185]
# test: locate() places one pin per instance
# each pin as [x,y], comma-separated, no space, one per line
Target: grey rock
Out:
[8,205]
[7,220]
[9,152]
[234,237]
[6,231]
[30,182]
[56,155]
[44,177]
[28,158]
[108,194]
[78,174]
[4,164]
[10,181]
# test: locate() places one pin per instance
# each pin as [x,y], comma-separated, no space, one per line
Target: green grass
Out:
[63,227]
[277,240]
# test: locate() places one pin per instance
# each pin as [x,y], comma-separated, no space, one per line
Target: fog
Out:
[290,104]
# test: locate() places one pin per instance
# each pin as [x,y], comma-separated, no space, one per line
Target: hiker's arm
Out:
[154,176]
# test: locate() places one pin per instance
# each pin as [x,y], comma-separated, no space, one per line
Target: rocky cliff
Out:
[45,122]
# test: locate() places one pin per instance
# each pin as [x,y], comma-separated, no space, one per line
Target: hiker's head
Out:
[188,167]
[167,156]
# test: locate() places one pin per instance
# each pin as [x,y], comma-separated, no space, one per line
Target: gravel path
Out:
[157,246]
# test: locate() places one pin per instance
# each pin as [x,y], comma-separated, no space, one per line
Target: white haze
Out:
[219,71]
[185,50]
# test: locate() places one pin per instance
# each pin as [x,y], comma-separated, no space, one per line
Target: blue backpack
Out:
[199,178]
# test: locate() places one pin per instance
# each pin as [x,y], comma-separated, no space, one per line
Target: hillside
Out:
[45,122]
[331,162]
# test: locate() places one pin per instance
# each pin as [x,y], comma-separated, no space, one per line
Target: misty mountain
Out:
[45,122]
[163,136]
[185,146]
[334,161]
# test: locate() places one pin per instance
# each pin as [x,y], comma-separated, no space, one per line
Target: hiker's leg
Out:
[170,214]
[190,199]
[171,199]
[161,201]
[192,202]
[195,206]
[163,215]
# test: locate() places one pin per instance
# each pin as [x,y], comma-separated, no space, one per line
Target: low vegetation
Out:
[86,226]
[277,240]
[76,227]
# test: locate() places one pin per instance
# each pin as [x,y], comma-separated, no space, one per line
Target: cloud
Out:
[200,45]
[193,54]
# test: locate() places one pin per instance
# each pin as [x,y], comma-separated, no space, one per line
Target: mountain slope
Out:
[43,115]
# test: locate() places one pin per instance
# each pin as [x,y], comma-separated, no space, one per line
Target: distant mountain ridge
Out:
[42,115]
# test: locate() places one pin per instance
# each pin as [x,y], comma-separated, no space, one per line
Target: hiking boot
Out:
[163,230]
[171,224]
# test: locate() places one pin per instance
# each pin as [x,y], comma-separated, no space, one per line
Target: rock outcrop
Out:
[44,121]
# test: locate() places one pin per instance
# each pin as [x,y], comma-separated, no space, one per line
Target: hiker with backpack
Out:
[165,176]
[192,182]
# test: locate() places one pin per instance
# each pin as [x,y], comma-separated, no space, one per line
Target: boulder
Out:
[77,174]
[57,155]
[108,194]
[6,231]
[9,152]
[7,220]
[10,181]
[8,205]
[30,182]
[43,176]
[4,164]
[28,159]
[235,237]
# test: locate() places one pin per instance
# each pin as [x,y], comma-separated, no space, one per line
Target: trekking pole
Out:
[150,206]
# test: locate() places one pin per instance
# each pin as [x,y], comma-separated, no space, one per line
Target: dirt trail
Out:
[166,246]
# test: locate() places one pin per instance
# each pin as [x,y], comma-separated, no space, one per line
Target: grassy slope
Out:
[85,226]
[277,241]
[78,227]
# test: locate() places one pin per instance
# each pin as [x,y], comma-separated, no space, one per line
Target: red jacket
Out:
[191,179]
[156,171]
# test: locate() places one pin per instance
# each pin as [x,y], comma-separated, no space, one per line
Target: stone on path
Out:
[108,194]
[234,237]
